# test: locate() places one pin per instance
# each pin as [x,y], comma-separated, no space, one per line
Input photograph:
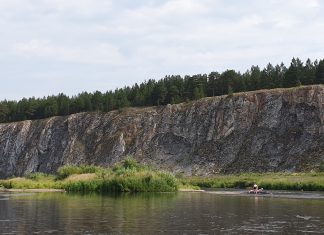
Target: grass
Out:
[25,183]
[127,176]
[66,171]
[277,181]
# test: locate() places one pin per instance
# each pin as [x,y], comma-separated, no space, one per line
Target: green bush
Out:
[127,176]
[37,176]
[128,165]
[277,181]
[140,181]
[321,167]
[131,164]
[66,171]
[23,183]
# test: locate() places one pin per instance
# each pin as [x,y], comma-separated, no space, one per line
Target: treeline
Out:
[171,89]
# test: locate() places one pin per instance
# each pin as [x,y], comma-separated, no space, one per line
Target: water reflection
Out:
[171,213]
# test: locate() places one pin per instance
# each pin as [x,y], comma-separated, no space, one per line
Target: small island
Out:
[127,176]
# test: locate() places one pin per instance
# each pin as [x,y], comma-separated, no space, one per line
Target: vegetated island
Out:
[127,176]
[130,176]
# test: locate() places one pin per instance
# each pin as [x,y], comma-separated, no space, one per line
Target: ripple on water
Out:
[197,213]
[304,217]
[271,193]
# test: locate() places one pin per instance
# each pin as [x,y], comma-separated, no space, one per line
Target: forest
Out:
[169,90]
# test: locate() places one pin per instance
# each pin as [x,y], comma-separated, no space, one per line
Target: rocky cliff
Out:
[273,130]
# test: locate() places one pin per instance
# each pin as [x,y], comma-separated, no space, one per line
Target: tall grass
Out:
[66,171]
[130,176]
[321,167]
[27,183]
[127,176]
[144,181]
[282,181]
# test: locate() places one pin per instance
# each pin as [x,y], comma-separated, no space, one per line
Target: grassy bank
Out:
[128,176]
[276,181]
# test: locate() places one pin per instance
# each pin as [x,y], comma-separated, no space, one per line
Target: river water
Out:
[220,212]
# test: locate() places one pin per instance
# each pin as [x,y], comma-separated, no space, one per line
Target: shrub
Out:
[128,165]
[140,181]
[37,176]
[321,167]
[65,171]
[127,176]
[131,163]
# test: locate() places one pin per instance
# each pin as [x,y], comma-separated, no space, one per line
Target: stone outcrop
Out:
[272,130]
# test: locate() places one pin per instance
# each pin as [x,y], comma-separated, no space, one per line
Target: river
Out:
[219,212]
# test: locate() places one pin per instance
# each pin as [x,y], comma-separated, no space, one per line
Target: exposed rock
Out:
[273,130]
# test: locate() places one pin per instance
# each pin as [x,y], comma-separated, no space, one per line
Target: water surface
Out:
[167,213]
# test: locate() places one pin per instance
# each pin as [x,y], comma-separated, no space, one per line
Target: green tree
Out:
[159,93]
[121,99]
[51,107]
[280,71]
[170,89]
[212,83]
[309,73]
[108,102]
[173,94]
[63,103]
[293,74]
[97,101]
[254,79]
[4,111]
[319,78]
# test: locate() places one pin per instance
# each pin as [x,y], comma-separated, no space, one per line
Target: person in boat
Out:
[256,189]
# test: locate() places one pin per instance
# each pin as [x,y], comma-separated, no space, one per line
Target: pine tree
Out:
[319,78]
[255,78]
[63,103]
[294,73]
[4,111]
[96,101]
[309,73]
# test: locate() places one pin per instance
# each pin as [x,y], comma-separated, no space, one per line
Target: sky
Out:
[69,46]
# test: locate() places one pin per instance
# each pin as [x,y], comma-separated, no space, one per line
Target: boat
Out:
[258,191]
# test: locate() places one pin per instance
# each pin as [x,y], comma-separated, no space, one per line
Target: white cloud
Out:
[285,23]
[48,7]
[109,40]
[302,4]
[180,7]
[252,21]
[100,54]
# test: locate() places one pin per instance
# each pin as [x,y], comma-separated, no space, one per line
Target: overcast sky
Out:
[70,46]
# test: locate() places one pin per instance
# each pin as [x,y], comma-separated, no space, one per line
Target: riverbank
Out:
[312,181]
[5,190]
[129,176]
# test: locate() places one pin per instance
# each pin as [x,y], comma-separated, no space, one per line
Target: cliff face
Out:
[276,130]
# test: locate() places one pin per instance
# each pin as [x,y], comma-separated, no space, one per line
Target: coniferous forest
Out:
[171,89]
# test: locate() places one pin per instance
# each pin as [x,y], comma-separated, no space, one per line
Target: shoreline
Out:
[139,179]
[4,190]
[190,190]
